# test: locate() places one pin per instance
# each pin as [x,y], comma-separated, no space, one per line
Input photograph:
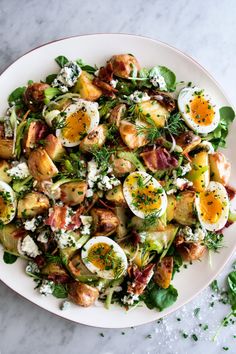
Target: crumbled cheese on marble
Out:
[65,305]
[113,83]
[32,267]
[139,96]
[130,299]
[19,171]
[29,247]
[67,76]
[47,287]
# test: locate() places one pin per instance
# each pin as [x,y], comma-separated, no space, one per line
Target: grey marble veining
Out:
[205,30]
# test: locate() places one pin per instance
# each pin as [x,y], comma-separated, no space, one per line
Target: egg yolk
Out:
[210,207]
[145,197]
[200,111]
[76,125]
[101,256]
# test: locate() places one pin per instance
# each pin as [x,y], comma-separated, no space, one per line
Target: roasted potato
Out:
[184,210]
[130,136]
[73,193]
[200,174]
[154,110]
[54,148]
[121,167]
[220,168]
[35,132]
[32,204]
[116,196]
[191,251]
[163,272]
[188,141]
[117,114]
[171,205]
[4,167]
[34,96]
[83,294]
[41,166]
[85,87]
[123,65]
[10,235]
[78,270]
[121,230]
[55,272]
[95,139]
[105,222]
[6,148]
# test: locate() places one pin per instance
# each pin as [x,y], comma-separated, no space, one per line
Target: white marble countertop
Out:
[205,30]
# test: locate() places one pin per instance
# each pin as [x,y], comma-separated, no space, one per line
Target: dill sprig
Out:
[102,157]
[175,124]
[213,241]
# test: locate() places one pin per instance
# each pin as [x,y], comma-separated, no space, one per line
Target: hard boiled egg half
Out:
[7,203]
[144,195]
[80,118]
[198,110]
[213,207]
[104,257]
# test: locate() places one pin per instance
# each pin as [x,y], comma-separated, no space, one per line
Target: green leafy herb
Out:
[169,77]
[9,258]
[19,137]
[61,60]
[60,291]
[156,297]
[102,157]
[90,69]
[214,286]
[49,93]
[196,311]
[50,78]
[194,337]
[213,241]
[16,97]
[175,124]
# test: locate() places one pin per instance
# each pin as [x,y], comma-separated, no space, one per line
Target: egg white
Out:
[10,204]
[221,193]
[105,274]
[91,108]
[128,190]
[184,99]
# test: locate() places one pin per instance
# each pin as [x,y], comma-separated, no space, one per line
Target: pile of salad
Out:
[110,181]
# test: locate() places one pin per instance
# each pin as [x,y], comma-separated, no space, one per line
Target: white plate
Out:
[96,49]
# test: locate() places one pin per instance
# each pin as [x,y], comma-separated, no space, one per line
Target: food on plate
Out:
[110,180]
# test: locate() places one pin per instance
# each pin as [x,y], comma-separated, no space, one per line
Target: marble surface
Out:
[205,30]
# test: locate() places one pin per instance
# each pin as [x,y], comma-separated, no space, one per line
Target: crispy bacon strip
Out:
[140,278]
[159,159]
[58,219]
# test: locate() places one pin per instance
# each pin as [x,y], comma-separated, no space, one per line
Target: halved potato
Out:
[41,166]
[188,141]
[6,148]
[83,294]
[171,205]
[116,196]
[124,64]
[154,110]
[95,139]
[4,167]
[85,87]
[200,174]
[220,168]
[10,234]
[184,209]
[130,135]
[163,272]
[121,167]
[105,222]
[36,131]
[32,204]
[54,148]
[73,193]
[191,251]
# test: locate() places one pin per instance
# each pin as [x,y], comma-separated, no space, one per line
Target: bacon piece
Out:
[231,192]
[59,278]
[106,88]
[37,130]
[106,73]
[40,261]
[140,278]
[58,219]
[165,100]
[159,159]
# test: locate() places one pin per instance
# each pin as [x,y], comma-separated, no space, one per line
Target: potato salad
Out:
[111,181]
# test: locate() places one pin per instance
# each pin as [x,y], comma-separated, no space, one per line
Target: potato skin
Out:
[184,210]
[130,136]
[41,166]
[32,204]
[220,168]
[85,87]
[191,251]
[105,222]
[4,166]
[83,294]
[54,148]
[121,167]
[95,139]
[34,96]
[116,196]
[123,65]
[188,141]
[73,193]
[36,131]
[117,114]
[6,148]
[163,272]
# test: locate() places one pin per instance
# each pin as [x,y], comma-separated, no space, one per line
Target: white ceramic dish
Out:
[96,49]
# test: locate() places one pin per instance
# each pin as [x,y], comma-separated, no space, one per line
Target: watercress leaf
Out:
[227,114]
[50,78]
[16,96]
[9,258]
[61,60]
[60,291]
[168,75]
[90,69]
[159,298]
[49,93]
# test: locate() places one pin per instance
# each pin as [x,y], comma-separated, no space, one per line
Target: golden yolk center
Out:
[210,207]
[145,197]
[3,207]
[201,111]
[77,124]
[101,256]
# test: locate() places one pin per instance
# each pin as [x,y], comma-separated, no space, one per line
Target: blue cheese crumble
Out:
[47,287]
[139,96]
[19,171]
[196,235]
[86,222]
[96,179]
[65,305]
[67,76]
[157,80]
[28,247]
